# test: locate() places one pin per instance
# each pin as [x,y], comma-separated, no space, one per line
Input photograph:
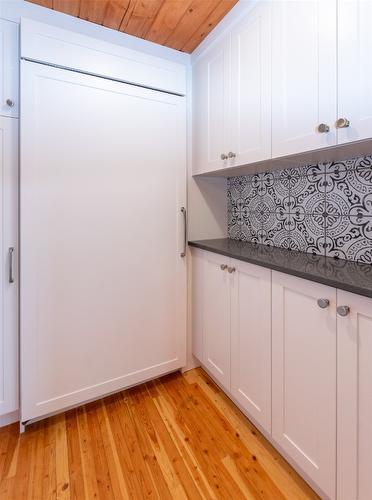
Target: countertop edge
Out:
[275,267]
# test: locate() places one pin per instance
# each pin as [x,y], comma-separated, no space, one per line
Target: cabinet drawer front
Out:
[304,376]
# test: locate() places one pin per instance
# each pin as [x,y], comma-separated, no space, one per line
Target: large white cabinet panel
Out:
[251,340]
[250,118]
[304,376]
[303,75]
[354,398]
[211,82]
[9,267]
[9,68]
[216,317]
[355,69]
[103,285]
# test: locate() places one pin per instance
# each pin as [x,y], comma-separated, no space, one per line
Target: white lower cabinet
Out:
[354,397]
[304,376]
[300,358]
[216,317]
[251,340]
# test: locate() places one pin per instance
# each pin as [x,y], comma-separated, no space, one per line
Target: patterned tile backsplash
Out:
[321,209]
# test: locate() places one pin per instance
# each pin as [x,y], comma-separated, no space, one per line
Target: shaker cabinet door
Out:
[304,376]
[251,340]
[9,69]
[354,70]
[303,75]
[354,398]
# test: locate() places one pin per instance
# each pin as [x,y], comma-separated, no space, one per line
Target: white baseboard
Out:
[9,418]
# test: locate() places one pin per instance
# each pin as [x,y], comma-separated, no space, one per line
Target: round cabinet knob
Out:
[231,155]
[323,128]
[343,310]
[224,157]
[323,303]
[231,270]
[10,103]
[342,123]
[223,267]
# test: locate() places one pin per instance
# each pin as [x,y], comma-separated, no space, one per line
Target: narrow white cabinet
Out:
[354,397]
[303,75]
[250,117]
[251,340]
[304,376]
[9,269]
[216,317]
[9,68]
[354,70]
[211,108]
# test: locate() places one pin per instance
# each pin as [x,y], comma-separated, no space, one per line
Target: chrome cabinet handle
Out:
[231,155]
[323,128]
[323,303]
[231,270]
[224,157]
[11,253]
[343,310]
[183,211]
[223,267]
[342,123]
[10,103]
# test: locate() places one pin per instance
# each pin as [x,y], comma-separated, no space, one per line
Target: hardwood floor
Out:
[176,437]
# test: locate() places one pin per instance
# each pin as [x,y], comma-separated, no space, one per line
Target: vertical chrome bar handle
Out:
[183,211]
[11,253]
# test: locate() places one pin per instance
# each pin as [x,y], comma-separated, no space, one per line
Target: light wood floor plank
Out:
[178,437]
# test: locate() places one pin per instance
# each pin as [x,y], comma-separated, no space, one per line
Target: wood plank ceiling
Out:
[179,24]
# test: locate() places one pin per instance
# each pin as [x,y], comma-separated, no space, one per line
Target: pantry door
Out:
[103,282]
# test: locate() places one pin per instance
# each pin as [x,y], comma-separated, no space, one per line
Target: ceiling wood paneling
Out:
[179,24]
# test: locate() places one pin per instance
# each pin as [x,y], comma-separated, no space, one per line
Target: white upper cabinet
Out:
[354,397]
[304,376]
[250,117]
[251,340]
[354,70]
[231,97]
[9,268]
[210,108]
[9,69]
[303,75]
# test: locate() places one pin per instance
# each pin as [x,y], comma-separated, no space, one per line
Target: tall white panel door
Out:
[211,82]
[216,317]
[9,68]
[103,285]
[250,119]
[251,340]
[9,267]
[303,75]
[354,69]
[354,398]
[304,376]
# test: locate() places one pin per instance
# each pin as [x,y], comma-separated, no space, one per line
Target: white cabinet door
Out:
[103,295]
[354,398]
[355,69]
[304,376]
[211,108]
[9,68]
[250,118]
[9,268]
[303,75]
[216,317]
[251,340]
[197,294]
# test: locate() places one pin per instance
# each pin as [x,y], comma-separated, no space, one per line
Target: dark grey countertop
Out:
[338,273]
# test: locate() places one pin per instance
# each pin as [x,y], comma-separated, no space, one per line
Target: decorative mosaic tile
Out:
[323,209]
